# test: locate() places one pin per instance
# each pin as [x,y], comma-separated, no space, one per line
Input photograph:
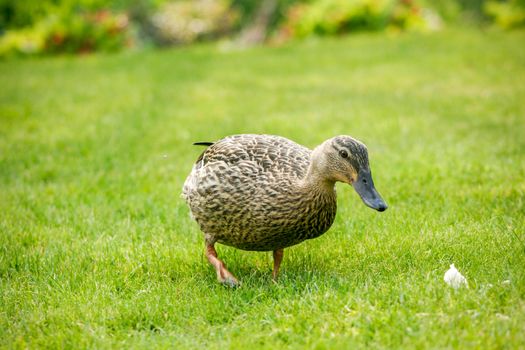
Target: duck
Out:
[267,193]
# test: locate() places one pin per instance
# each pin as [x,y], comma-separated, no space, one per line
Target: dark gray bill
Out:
[364,186]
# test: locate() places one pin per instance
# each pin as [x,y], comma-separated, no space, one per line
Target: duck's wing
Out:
[271,154]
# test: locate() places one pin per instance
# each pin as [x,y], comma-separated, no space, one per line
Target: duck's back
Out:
[241,191]
[272,154]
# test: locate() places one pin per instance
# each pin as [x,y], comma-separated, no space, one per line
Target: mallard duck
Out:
[266,193]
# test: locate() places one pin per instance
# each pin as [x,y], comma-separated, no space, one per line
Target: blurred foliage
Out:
[77,32]
[248,8]
[62,26]
[20,14]
[461,11]
[449,10]
[15,14]
[86,32]
[69,26]
[332,17]
[509,14]
[25,41]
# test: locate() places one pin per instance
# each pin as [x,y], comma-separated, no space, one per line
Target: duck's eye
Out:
[364,181]
[343,153]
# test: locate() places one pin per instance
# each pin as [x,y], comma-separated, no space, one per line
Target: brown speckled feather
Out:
[247,191]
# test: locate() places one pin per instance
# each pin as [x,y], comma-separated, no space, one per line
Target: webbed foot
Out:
[230,281]
[223,275]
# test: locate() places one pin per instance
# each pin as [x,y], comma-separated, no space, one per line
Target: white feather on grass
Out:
[454,278]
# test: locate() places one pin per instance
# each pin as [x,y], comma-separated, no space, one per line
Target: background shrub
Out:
[333,17]
[508,14]
[77,32]
[69,26]
[86,32]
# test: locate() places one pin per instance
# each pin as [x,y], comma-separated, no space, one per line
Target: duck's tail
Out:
[207,144]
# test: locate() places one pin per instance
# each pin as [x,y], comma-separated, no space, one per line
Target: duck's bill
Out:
[364,186]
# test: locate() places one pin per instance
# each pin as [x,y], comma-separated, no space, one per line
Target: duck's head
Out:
[345,159]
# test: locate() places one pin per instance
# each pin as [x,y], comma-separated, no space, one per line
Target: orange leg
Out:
[223,275]
[277,258]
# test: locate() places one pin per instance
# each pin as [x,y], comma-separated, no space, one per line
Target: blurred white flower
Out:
[455,279]
[185,21]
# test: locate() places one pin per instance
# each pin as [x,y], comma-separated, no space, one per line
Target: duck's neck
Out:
[316,179]
[317,204]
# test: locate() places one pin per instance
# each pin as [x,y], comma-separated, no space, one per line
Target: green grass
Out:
[97,249]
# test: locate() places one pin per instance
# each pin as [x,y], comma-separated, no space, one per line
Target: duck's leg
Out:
[277,258]
[223,275]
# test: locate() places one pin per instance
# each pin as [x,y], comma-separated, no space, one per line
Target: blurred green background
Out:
[56,26]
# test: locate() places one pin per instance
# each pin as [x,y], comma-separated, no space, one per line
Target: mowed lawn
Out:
[97,249]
